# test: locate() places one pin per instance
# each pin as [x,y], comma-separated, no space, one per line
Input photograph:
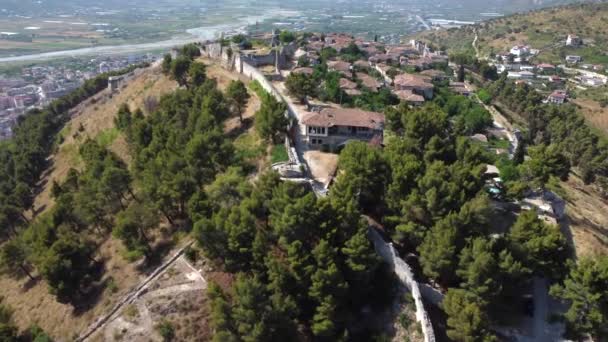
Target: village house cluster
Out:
[518,64]
[378,66]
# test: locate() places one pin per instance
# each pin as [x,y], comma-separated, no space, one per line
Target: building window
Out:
[316,130]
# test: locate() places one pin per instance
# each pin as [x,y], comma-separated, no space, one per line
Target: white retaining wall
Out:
[405,274]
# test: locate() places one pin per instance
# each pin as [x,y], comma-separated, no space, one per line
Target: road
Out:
[582,71]
[427,26]
[500,122]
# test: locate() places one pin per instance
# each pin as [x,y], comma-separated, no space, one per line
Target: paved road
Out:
[423,22]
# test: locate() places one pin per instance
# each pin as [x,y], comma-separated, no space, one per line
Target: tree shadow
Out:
[156,256]
[30,283]
[566,229]
[92,293]
[438,319]
[242,128]
[37,211]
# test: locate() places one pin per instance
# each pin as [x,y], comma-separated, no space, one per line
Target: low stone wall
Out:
[257,60]
[212,50]
[405,274]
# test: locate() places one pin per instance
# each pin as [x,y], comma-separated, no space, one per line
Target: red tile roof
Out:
[368,82]
[303,70]
[329,117]
[413,81]
[347,84]
[408,96]
[339,66]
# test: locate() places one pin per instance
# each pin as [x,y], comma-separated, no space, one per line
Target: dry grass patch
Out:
[588,217]
[595,115]
[322,165]
[33,303]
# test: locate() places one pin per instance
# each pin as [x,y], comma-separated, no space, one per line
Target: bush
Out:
[112,287]
[404,320]
[166,330]
[191,253]
[484,96]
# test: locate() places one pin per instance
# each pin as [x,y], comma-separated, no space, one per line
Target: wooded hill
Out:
[302,266]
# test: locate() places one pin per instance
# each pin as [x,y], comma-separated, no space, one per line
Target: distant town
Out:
[37,86]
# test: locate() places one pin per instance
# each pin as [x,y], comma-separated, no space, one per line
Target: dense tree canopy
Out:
[585,289]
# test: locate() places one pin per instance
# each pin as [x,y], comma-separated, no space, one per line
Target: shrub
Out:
[166,330]
[191,253]
[404,320]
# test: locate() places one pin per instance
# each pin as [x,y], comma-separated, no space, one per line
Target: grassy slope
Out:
[95,119]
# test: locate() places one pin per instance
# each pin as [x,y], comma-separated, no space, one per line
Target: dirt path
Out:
[475,45]
[132,295]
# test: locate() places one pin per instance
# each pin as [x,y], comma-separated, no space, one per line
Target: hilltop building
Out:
[520,51]
[334,127]
[574,40]
[557,97]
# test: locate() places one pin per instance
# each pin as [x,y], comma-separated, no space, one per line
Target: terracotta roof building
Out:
[557,97]
[362,64]
[333,127]
[349,87]
[368,82]
[435,75]
[418,84]
[409,97]
[340,66]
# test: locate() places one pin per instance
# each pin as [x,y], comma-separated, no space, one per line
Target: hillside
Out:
[545,30]
[94,118]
